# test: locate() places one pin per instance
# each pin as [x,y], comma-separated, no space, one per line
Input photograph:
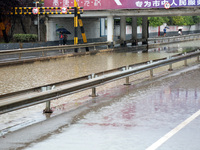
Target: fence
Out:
[13,101]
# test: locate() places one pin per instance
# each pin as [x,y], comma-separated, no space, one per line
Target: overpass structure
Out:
[94,10]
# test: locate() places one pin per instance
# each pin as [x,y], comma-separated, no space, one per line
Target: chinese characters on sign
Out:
[121,4]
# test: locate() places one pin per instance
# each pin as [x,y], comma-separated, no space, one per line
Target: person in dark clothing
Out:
[165,31]
[65,39]
[61,37]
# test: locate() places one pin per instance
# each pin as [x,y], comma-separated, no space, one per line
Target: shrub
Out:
[25,37]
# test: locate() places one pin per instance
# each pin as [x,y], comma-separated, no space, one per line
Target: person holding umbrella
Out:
[65,39]
[180,30]
[63,35]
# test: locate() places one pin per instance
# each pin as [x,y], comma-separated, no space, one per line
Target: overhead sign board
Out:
[121,4]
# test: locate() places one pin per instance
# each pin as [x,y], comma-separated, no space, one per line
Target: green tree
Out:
[157,21]
[185,20]
[196,19]
[139,21]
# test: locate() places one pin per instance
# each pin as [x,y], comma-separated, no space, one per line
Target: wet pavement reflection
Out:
[135,120]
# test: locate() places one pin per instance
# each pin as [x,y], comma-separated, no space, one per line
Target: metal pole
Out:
[38,20]
[38,27]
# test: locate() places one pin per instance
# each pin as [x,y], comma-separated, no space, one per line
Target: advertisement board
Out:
[121,4]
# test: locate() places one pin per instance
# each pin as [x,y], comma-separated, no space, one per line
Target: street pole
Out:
[38,20]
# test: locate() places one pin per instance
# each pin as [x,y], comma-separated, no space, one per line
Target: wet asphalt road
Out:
[136,119]
[128,117]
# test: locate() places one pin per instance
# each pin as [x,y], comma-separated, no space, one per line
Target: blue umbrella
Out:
[63,30]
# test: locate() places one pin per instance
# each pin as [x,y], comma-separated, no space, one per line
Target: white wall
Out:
[91,27]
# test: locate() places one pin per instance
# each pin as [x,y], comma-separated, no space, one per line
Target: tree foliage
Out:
[175,20]
[157,21]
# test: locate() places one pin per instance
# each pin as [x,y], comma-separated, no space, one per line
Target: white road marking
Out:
[118,2]
[172,132]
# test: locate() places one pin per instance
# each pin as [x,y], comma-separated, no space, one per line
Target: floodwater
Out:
[128,113]
[20,77]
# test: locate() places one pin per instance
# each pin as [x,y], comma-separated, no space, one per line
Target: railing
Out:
[173,39]
[162,40]
[43,50]
[21,55]
[21,99]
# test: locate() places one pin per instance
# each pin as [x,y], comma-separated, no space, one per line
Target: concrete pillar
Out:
[134,30]
[50,30]
[144,29]
[47,28]
[110,29]
[102,26]
[123,30]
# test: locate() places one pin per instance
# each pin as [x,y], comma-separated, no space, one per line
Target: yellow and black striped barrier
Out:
[75,25]
[43,10]
[56,10]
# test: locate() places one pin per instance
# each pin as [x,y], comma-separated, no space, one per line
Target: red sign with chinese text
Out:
[121,4]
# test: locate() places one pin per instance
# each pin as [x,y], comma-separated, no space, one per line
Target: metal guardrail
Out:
[18,55]
[18,100]
[51,48]
[162,40]
[173,39]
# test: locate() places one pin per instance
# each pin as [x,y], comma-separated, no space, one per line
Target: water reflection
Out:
[133,121]
[177,47]
[19,77]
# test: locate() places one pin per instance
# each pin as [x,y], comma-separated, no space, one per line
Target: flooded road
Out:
[145,114]
[138,119]
[20,77]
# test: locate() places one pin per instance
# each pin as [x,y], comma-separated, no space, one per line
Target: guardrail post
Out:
[94,92]
[127,81]
[151,73]
[48,107]
[170,67]
[20,55]
[94,88]
[198,59]
[185,62]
